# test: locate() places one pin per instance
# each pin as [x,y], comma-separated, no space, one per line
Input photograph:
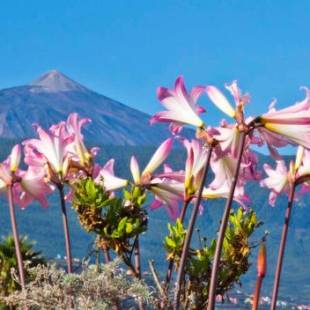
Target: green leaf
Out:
[129,228]
[122,224]
[170,243]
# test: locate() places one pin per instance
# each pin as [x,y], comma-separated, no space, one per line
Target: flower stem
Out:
[66,227]
[259,282]
[171,261]
[16,238]
[225,217]
[138,267]
[137,257]
[189,233]
[106,254]
[282,247]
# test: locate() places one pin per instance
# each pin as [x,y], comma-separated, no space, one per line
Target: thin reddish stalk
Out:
[137,257]
[66,227]
[171,261]
[138,267]
[189,234]
[225,217]
[106,253]
[16,238]
[259,282]
[282,247]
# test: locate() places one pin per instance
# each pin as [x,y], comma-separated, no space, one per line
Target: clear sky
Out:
[125,49]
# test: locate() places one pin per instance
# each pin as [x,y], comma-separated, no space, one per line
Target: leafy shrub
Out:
[96,287]
[234,260]
[8,262]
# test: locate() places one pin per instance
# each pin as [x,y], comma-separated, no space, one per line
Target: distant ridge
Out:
[52,96]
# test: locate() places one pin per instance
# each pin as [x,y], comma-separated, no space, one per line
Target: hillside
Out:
[51,97]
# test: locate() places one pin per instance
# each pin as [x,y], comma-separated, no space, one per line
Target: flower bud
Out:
[15,157]
[262,261]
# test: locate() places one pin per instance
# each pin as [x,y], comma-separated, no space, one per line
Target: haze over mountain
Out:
[52,96]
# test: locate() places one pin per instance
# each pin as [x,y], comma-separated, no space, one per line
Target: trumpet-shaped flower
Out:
[156,160]
[221,102]
[224,168]
[168,193]
[196,158]
[9,167]
[27,185]
[52,149]
[32,187]
[228,137]
[165,186]
[108,179]
[292,123]
[15,158]
[181,108]
[80,153]
[277,180]
[223,192]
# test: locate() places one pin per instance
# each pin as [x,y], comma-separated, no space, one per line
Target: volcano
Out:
[52,96]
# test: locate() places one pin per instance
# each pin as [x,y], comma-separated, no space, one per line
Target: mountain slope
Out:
[51,97]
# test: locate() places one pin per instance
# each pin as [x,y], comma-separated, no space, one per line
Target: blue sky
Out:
[125,49]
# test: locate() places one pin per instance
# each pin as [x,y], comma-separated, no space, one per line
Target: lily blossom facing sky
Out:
[277,180]
[9,168]
[27,185]
[292,123]
[223,169]
[33,187]
[196,158]
[168,191]
[108,179]
[181,107]
[53,146]
[77,148]
[221,102]
[156,160]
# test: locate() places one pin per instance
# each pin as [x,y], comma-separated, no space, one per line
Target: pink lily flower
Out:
[9,167]
[277,180]
[292,123]
[15,158]
[32,187]
[80,153]
[223,169]
[281,178]
[156,160]
[221,102]
[196,158]
[107,178]
[302,168]
[228,137]
[165,186]
[181,107]
[52,148]
[167,193]
[170,174]
[27,185]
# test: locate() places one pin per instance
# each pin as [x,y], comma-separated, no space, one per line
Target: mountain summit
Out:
[53,96]
[55,81]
